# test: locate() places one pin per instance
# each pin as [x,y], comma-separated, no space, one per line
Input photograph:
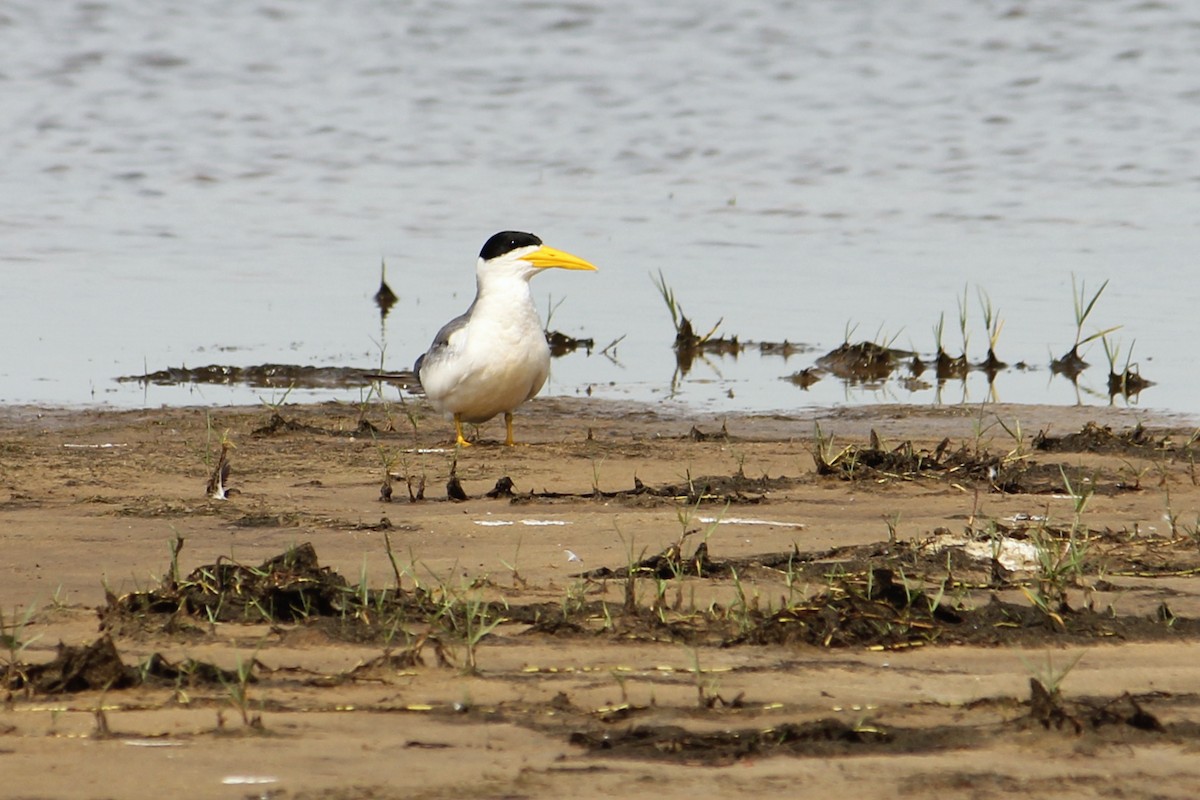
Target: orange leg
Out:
[461,440]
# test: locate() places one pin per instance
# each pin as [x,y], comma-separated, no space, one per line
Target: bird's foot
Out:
[460,440]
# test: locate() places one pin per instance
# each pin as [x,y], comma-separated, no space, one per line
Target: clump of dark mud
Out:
[1117,719]
[737,489]
[98,667]
[688,344]
[263,376]
[864,362]
[287,587]
[1128,383]
[670,563]
[905,460]
[1070,364]
[868,601]
[881,612]
[823,738]
[878,606]
[561,344]
[1093,438]
[1000,473]
[75,669]
[949,368]
[784,349]
[805,377]
[1048,708]
[290,588]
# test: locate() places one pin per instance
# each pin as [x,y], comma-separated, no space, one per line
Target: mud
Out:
[890,601]
[856,365]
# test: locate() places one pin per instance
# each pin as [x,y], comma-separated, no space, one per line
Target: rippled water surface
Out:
[217,182]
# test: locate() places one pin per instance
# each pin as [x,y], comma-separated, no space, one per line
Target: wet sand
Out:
[839,634]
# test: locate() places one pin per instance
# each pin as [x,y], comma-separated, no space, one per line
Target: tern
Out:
[494,357]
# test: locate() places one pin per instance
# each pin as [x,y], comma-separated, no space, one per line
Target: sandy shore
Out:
[872,629]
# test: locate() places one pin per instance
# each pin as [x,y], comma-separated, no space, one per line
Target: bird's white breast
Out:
[494,363]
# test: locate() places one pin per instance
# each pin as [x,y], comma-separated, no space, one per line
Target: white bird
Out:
[494,357]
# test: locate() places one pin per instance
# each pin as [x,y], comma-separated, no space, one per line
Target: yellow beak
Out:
[547,257]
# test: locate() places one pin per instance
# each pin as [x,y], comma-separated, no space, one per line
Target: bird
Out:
[494,357]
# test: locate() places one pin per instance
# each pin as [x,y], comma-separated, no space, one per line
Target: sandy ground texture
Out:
[976,601]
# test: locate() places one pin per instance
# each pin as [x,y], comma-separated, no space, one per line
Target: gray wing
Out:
[442,340]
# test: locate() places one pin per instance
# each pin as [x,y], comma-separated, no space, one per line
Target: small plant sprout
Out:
[893,522]
[742,609]
[14,641]
[962,323]
[518,581]
[552,306]
[1079,499]
[823,451]
[668,296]
[1071,363]
[596,465]
[274,405]
[100,717]
[685,337]
[979,428]
[1018,437]
[575,599]
[992,324]
[791,578]
[947,367]
[631,571]
[622,680]
[58,601]
[478,622]
[609,351]
[848,331]
[239,693]
[884,341]
[391,554]
[1049,676]
[218,481]
[409,413]
[706,684]
[1128,381]
[1060,563]
[388,462]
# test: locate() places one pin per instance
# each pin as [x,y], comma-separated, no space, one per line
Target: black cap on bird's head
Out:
[500,255]
[506,242]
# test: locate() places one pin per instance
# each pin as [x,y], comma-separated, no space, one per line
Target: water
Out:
[218,182]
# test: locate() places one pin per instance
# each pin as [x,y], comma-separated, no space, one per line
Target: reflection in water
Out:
[1127,384]
[869,366]
[1070,365]
[262,376]
[561,344]
[385,298]
[688,344]
[862,367]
